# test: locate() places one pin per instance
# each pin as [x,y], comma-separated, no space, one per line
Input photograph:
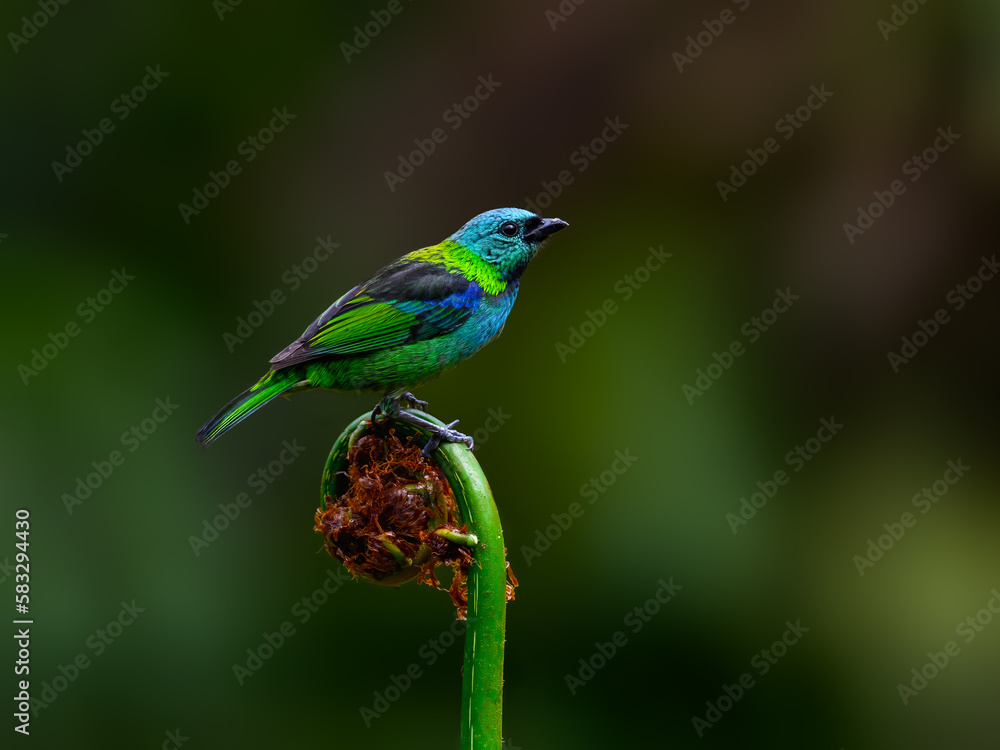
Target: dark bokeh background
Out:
[665,516]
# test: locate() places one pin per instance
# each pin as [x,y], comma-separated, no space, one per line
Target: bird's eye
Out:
[508,229]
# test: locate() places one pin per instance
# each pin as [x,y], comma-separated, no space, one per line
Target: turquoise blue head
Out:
[507,238]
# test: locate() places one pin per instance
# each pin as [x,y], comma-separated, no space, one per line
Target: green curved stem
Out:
[482,672]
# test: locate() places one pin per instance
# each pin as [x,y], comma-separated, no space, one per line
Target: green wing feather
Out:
[410,300]
[363,328]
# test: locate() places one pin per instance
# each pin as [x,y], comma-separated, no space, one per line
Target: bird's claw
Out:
[414,402]
[448,435]
[391,407]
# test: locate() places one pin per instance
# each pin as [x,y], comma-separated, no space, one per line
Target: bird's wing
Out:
[409,300]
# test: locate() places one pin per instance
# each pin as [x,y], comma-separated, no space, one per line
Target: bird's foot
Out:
[413,402]
[445,434]
[392,408]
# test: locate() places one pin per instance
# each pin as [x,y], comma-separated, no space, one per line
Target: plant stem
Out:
[482,672]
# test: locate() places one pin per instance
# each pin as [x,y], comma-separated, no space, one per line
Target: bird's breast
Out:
[488,319]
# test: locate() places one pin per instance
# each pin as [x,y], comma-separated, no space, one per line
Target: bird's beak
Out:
[543,230]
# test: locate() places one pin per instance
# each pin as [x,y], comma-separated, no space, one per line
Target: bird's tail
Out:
[272,385]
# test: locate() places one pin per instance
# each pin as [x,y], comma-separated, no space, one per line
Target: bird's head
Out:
[507,238]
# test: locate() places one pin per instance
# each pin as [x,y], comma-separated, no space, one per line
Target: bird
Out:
[414,319]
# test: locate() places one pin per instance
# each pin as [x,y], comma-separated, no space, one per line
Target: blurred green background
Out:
[63,235]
